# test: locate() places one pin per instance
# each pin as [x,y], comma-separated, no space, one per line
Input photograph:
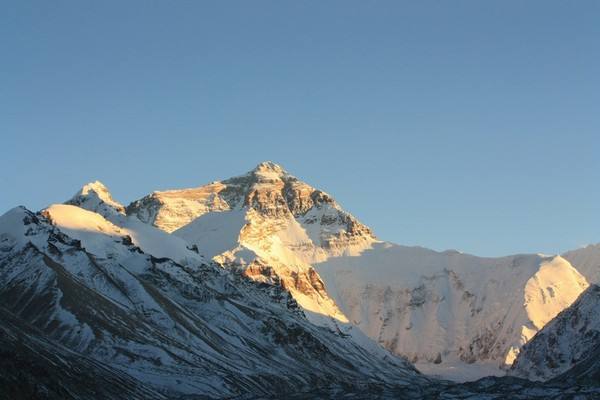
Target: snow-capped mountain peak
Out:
[266,168]
[268,192]
[96,197]
[96,186]
[109,291]
[267,221]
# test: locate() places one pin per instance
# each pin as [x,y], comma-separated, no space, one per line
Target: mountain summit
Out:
[267,190]
[268,222]
[96,197]
[269,167]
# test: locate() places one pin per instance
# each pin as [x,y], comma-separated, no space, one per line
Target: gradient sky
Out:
[466,124]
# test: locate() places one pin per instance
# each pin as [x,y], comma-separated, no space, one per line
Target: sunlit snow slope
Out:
[450,308]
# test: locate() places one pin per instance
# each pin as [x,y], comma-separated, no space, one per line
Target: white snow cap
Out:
[269,169]
[270,166]
[95,186]
[94,195]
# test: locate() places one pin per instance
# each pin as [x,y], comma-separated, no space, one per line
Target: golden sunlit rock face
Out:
[268,189]
[280,222]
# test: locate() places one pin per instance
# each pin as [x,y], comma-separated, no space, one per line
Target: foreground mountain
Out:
[572,339]
[34,367]
[183,327]
[446,311]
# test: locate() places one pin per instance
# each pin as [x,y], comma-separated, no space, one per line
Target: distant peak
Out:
[92,195]
[95,186]
[269,166]
[18,210]
[269,170]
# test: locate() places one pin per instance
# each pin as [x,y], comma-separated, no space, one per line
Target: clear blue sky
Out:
[466,124]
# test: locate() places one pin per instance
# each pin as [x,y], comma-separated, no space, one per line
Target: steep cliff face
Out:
[173,209]
[265,220]
[271,193]
[567,341]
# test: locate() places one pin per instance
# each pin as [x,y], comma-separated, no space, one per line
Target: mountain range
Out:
[263,286]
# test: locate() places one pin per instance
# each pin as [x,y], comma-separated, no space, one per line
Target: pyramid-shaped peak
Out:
[94,196]
[269,166]
[268,170]
[95,186]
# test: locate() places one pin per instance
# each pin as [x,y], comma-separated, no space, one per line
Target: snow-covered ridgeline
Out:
[439,308]
[185,327]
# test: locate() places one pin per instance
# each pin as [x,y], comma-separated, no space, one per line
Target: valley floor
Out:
[459,371]
[486,389]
